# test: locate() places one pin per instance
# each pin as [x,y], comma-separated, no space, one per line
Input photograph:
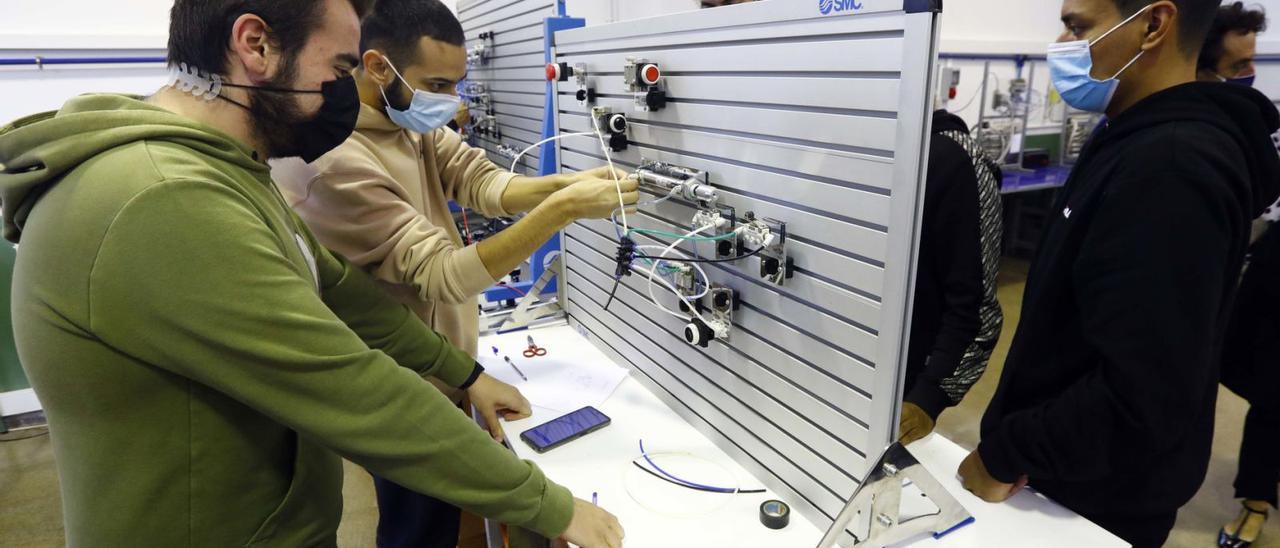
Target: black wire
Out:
[613,292]
[679,260]
[673,482]
[271,89]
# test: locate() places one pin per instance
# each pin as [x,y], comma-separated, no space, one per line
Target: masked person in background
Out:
[955,319]
[381,200]
[202,359]
[1106,401]
[1232,45]
[1249,364]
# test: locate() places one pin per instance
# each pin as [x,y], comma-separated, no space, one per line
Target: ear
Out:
[251,47]
[377,67]
[1162,23]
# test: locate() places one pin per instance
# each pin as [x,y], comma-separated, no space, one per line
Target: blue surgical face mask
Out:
[1246,81]
[1071,68]
[427,112]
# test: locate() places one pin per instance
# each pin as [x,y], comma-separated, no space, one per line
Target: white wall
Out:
[73,28]
[47,24]
[27,91]
[599,12]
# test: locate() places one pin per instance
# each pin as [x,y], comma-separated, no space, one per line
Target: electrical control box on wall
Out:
[761,288]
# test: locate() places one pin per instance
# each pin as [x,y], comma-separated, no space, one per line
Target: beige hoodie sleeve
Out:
[469,177]
[359,212]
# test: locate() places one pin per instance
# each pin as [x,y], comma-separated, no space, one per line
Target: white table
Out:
[600,463]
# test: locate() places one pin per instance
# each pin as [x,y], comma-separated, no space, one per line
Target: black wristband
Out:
[475,375]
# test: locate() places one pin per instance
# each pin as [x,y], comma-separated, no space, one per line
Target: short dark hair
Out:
[1231,18]
[1195,18]
[200,30]
[396,27]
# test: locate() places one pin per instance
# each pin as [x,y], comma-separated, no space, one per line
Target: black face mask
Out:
[289,136]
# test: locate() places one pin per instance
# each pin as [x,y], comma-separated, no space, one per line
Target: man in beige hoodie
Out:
[381,200]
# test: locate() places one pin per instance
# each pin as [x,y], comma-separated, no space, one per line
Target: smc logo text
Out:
[829,6]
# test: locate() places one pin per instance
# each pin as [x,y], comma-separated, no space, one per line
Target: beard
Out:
[395,93]
[276,116]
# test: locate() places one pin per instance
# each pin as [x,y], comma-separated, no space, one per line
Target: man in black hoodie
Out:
[955,318]
[1107,397]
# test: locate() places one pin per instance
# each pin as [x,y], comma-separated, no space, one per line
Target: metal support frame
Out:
[877,502]
[528,311]
[982,102]
[1026,119]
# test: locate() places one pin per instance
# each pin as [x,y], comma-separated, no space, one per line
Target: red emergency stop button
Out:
[650,74]
[558,72]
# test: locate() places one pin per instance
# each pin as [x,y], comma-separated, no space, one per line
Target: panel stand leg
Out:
[876,504]
[525,313]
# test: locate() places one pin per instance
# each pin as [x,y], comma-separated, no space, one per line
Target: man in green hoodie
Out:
[202,360]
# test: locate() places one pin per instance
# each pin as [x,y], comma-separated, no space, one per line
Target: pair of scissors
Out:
[534,350]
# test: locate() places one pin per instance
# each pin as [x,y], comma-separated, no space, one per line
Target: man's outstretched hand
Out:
[494,398]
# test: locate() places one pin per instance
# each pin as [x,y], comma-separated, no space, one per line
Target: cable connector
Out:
[757,233]
[711,218]
[626,255]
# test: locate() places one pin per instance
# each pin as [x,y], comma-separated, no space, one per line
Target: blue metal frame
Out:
[50,61]
[548,164]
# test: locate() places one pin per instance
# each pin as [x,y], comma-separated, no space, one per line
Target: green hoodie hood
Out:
[37,151]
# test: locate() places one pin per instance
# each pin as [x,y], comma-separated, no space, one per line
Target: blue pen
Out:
[513,366]
[595,499]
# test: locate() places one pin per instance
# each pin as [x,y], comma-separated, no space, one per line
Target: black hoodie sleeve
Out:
[952,230]
[1149,285]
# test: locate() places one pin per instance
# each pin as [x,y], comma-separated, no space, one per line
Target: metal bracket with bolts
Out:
[776,266]
[717,320]
[880,495]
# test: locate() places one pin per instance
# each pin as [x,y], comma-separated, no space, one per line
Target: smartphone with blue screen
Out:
[565,429]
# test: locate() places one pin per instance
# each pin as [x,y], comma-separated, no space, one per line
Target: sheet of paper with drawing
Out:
[568,378]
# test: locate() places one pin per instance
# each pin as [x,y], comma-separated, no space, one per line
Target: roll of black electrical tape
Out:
[775,514]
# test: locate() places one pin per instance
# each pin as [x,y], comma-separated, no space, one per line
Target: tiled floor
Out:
[30,516]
